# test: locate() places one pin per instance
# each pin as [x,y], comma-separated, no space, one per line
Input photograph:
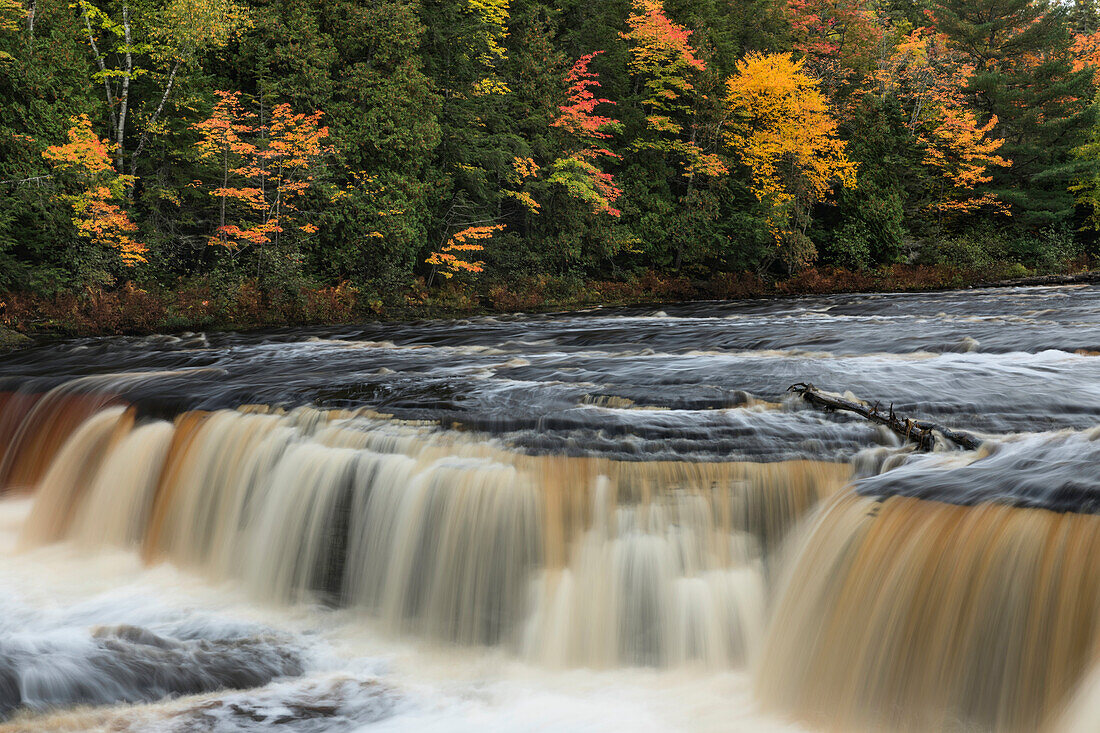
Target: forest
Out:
[187,163]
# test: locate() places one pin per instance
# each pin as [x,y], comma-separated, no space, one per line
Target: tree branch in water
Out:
[920,432]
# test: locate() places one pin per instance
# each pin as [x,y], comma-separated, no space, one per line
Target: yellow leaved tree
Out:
[11,16]
[489,44]
[781,128]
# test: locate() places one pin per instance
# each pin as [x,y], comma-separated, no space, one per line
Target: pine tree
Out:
[1023,76]
[384,125]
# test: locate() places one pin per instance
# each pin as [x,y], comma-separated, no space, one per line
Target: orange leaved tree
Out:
[264,169]
[84,164]
[447,263]
[929,82]
[665,69]
[663,61]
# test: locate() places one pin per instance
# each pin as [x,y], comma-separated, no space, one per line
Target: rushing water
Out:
[615,519]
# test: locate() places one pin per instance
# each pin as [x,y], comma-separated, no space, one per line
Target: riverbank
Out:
[202,305]
[10,340]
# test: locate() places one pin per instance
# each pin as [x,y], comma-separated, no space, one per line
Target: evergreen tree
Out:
[44,73]
[1023,76]
[385,128]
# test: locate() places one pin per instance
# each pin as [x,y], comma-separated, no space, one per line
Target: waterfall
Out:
[563,560]
[906,614]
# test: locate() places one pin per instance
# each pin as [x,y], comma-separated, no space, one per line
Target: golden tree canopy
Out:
[782,129]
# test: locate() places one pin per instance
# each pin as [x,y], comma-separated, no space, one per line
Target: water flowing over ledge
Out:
[914,615]
[572,502]
[574,561]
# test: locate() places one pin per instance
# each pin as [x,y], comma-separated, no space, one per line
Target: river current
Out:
[604,520]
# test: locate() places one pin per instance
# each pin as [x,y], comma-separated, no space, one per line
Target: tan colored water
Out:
[571,561]
[895,614]
[911,615]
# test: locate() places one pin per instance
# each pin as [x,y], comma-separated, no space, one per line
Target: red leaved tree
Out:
[836,38]
[585,131]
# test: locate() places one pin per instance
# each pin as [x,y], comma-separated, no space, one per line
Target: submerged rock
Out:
[129,664]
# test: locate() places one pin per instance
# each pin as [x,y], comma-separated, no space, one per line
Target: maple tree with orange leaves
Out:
[470,239]
[265,168]
[1021,72]
[929,80]
[1086,52]
[85,159]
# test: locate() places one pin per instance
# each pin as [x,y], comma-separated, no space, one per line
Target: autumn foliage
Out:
[1086,52]
[664,61]
[265,168]
[836,39]
[97,215]
[489,44]
[928,80]
[782,130]
[578,172]
[467,240]
[579,142]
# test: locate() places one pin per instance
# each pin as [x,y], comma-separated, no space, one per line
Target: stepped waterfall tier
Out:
[591,520]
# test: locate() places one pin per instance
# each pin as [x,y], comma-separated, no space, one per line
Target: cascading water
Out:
[580,561]
[544,495]
[915,615]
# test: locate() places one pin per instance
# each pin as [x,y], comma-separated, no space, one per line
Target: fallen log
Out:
[921,432]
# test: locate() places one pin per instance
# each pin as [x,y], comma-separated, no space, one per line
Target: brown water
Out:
[614,516]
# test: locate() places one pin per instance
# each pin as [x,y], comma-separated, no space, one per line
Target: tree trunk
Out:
[920,432]
[124,101]
[102,70]
[153,119]
[680,244]
[225,185]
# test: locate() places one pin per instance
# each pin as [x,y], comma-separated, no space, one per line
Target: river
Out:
[604,520]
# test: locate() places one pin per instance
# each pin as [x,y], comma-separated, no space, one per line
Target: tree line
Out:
[300,144]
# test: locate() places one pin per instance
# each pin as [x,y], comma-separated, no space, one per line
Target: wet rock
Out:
[129,664]
[10,340]
[330,705]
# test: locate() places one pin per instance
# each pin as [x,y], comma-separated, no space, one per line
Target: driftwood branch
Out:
[920,432]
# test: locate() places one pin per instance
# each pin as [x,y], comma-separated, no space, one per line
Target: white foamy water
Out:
[57,598]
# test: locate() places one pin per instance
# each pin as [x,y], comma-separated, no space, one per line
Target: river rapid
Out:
[616,519]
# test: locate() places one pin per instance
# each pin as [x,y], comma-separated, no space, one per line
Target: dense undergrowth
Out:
[204,305]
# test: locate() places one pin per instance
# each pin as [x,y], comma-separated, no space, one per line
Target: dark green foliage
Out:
[416,154]
[1023,76]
